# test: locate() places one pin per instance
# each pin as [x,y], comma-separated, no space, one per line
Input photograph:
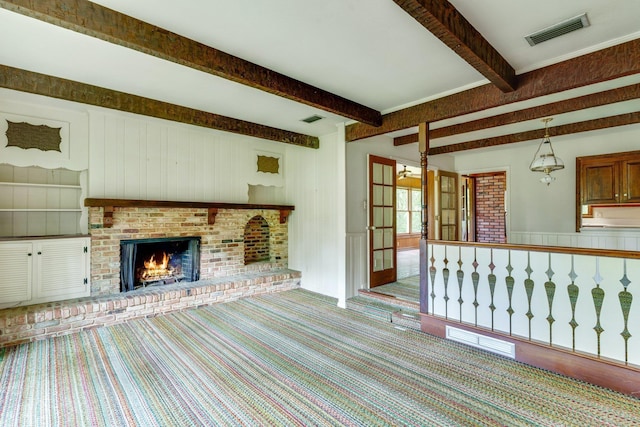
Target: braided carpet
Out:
[291,358]
[407,288]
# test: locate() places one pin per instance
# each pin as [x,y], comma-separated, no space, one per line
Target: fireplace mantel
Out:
[212,207]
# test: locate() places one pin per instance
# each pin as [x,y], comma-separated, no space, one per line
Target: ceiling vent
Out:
[312,119]
[559,29]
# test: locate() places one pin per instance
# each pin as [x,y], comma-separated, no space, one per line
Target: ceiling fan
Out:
[405,173]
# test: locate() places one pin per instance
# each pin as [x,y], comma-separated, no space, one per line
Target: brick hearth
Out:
[30,323]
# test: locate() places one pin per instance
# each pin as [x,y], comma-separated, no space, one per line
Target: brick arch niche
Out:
[256,240]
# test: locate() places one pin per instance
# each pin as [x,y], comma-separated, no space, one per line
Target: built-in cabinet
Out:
[42,270]
[610,180]
[36,201]
[606,179]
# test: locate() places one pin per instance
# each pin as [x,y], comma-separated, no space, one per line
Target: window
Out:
[408,210]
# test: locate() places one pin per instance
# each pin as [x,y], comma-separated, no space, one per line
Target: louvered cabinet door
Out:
[16,262]
[61,269]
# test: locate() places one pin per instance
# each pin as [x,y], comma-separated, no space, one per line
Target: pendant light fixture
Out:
[545,160]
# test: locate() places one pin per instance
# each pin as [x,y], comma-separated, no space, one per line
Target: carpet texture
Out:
[407,289]
[288,359]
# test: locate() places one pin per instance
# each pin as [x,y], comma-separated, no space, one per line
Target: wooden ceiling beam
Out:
[598,99]
[606,64]
[568,129]
[97,21]
[446,23]
[55,87]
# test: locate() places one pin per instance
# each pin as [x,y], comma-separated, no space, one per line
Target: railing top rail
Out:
[539,248]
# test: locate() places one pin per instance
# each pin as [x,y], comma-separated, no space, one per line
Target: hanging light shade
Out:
[545,160]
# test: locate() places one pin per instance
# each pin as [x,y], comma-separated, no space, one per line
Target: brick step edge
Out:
[41,321]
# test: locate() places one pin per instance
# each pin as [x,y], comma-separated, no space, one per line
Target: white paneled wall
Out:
[357,264]
[315,182]
[139,158]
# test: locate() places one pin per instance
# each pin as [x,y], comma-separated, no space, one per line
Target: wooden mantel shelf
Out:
[212,207]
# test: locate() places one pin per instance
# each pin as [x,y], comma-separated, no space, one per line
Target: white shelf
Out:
[40,210]
[29,184]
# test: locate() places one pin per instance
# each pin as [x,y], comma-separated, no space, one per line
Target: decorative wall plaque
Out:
[25,135]
[268,164]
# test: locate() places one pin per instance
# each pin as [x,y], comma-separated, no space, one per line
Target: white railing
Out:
[577,299]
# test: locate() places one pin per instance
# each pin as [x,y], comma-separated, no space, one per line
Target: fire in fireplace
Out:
[160,261]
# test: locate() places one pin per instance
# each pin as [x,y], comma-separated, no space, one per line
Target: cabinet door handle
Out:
[39,253]
[29,254]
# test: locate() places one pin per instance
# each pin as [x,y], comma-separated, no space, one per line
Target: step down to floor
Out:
[385,309]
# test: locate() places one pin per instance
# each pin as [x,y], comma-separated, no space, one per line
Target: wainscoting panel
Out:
[625,240]
[356,263]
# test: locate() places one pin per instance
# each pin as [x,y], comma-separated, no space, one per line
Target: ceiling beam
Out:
[55,87]
[598,99]
[606,64]
[446,23]
[568,129]
[97,21]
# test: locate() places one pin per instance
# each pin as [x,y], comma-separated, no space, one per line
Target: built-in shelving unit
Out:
[36,201]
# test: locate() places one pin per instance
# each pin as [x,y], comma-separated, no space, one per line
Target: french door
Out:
[448,206]
[382,221]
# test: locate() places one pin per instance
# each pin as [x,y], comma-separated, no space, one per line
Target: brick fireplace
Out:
[222,246]
[224,274]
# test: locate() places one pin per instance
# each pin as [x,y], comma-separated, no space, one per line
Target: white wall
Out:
[533,206]
[317,226]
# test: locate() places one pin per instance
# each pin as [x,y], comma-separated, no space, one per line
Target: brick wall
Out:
[256,240]
[221,246]
[489,195]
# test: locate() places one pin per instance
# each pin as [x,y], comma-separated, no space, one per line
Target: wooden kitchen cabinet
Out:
[599,181]
[630,171]
[609,180]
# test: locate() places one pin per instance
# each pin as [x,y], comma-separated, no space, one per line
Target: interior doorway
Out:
[483,211]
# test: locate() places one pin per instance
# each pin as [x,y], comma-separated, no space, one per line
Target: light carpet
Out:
[291,358]
[407,288]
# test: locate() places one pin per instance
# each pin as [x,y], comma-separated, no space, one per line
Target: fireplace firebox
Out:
[158,261]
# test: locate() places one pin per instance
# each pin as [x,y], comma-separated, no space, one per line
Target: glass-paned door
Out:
[382,227]
[448,206]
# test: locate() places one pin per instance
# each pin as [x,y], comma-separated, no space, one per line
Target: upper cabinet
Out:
[604,184]
[600,181]
[630,171]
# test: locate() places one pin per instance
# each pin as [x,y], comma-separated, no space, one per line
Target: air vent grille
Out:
[312,119]
[558,30]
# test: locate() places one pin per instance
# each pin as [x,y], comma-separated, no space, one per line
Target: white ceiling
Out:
[368,51]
